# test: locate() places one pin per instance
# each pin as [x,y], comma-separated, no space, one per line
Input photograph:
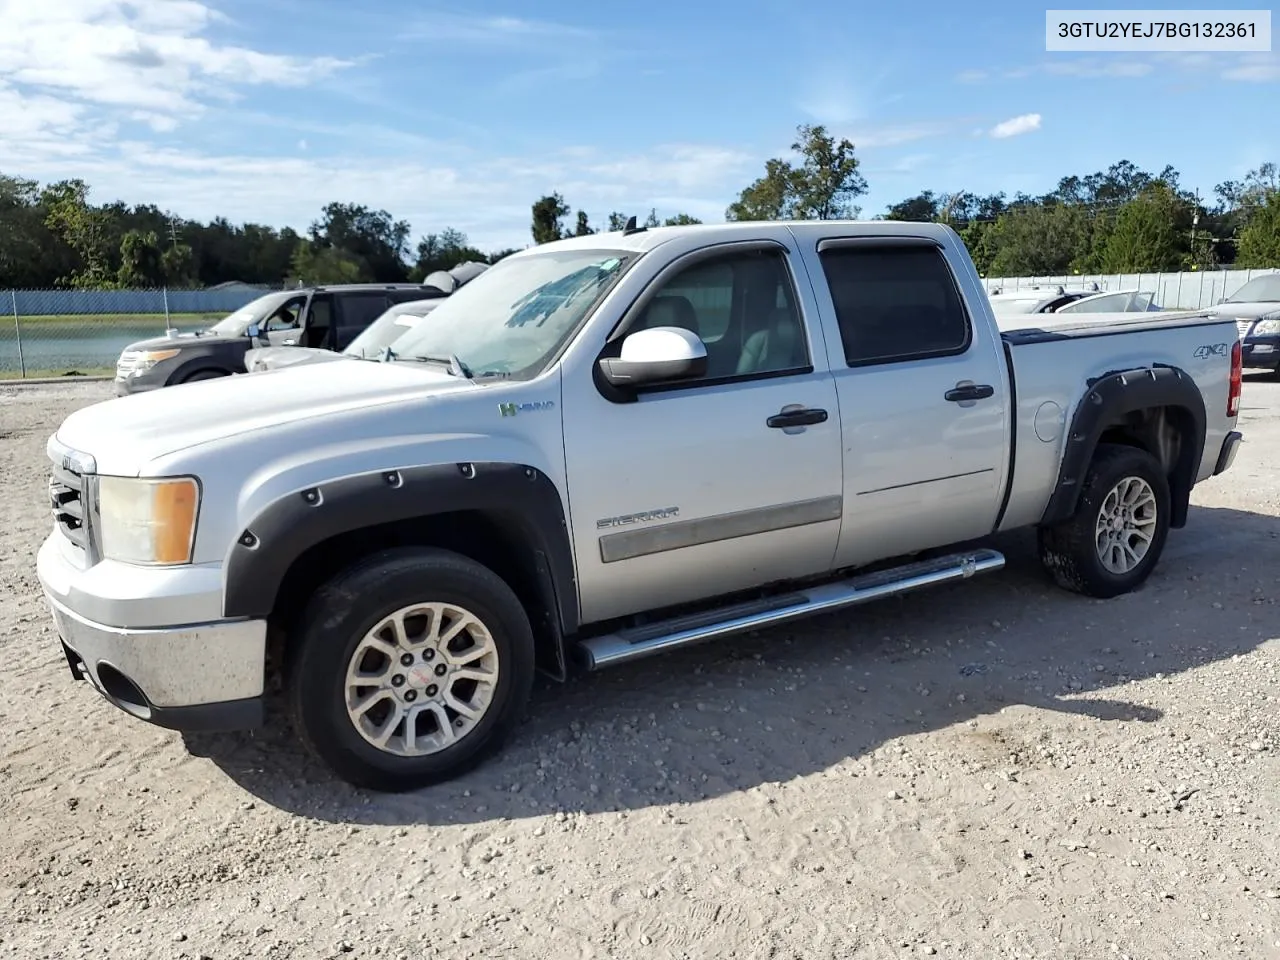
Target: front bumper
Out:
[1261,352]
[125,386]
[205,675]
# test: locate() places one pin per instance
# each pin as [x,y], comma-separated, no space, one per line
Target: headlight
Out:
[149,358]
[148,521]
[1268,325]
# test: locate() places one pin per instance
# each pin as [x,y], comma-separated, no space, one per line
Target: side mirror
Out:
[253,331]
[655,355]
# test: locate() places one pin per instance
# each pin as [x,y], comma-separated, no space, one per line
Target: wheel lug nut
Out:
[406,659]
[428,654]
[397,681]
[432,690]
[410,696]
[441,669]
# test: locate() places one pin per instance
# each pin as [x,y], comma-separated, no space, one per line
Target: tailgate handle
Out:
[969,391]
[803,417]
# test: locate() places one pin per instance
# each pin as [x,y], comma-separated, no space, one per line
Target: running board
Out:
[643,641]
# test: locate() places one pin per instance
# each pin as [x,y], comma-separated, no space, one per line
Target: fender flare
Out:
[521,495]
[1109,399]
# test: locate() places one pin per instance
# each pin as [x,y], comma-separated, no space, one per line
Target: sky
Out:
[463,115]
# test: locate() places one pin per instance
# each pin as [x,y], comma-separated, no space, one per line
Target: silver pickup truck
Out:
[600,449]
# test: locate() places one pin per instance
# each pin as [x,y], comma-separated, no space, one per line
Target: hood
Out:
[182,339]
[1244,310]
[125,433]
[276,358]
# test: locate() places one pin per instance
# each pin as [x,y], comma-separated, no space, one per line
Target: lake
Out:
[89,347]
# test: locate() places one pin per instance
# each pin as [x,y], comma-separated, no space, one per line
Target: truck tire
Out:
[409,668]
[1114,540]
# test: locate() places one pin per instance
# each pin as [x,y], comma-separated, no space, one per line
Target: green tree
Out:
[583,227]
[617,221]
[84,229]
[315,263]
[1259,242]
[370,238]
[680,220]
[821,186]
[177,264]
[1145,238]
[140,261]
[443,251]
[548,214]
[1037,241]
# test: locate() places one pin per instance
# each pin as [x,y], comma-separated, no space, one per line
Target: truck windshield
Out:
[1258,290]
[513,318]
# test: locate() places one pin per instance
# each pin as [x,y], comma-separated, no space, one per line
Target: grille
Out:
[1243,326]
[66,497]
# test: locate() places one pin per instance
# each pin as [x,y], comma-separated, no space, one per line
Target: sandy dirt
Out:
[991,770]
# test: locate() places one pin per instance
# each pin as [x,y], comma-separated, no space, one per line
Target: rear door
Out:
[922,387]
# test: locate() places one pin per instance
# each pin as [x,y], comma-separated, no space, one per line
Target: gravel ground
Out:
[990,770]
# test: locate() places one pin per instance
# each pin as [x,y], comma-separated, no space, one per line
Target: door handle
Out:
[803,417]
[969,391]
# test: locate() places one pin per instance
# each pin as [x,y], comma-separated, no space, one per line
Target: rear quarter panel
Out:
[1053,375]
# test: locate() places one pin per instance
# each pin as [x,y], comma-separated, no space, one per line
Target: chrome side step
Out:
[637,642]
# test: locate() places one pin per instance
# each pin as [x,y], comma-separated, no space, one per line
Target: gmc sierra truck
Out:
[600,449]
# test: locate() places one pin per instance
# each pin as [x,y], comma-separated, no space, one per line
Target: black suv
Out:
[327,317]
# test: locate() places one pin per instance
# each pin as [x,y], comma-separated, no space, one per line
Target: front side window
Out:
[895,303]
[513,319]
[744,309]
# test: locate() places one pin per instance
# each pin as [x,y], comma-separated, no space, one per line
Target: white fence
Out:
[1191,290]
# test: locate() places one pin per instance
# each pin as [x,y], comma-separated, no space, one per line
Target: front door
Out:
[924,400]
[718,484]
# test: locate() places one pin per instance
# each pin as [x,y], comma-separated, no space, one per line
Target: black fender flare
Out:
[1110,398]
[521,495]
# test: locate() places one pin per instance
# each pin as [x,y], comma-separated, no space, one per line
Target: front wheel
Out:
[409,669]
[1114,540]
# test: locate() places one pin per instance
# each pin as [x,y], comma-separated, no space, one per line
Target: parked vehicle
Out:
[1036,299]
[1255,307]
[393,324]
[325,317]
[604,448]
[374,341]
[1119,301]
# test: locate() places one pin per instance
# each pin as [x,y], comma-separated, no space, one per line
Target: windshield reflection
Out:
[513,319]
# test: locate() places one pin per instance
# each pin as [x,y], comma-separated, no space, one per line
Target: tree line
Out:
[1119,220]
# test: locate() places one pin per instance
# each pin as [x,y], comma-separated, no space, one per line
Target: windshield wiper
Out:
[452,361]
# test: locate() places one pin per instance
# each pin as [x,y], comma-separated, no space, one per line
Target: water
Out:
[88,347]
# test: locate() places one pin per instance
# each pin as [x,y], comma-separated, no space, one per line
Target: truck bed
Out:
[1052,365]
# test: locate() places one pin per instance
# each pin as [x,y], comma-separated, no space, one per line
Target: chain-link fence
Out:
[54,333]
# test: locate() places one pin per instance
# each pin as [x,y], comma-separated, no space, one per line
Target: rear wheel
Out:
[1114,540]
[410,668]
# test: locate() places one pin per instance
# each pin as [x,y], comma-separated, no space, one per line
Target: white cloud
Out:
[1016,126]
[137,55]
[1256,68]
[895,135]
[488,198]
[492,31]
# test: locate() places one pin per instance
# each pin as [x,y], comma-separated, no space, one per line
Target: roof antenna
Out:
[631,227]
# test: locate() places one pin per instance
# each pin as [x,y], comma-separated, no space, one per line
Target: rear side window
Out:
[358,310]
[895,303]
